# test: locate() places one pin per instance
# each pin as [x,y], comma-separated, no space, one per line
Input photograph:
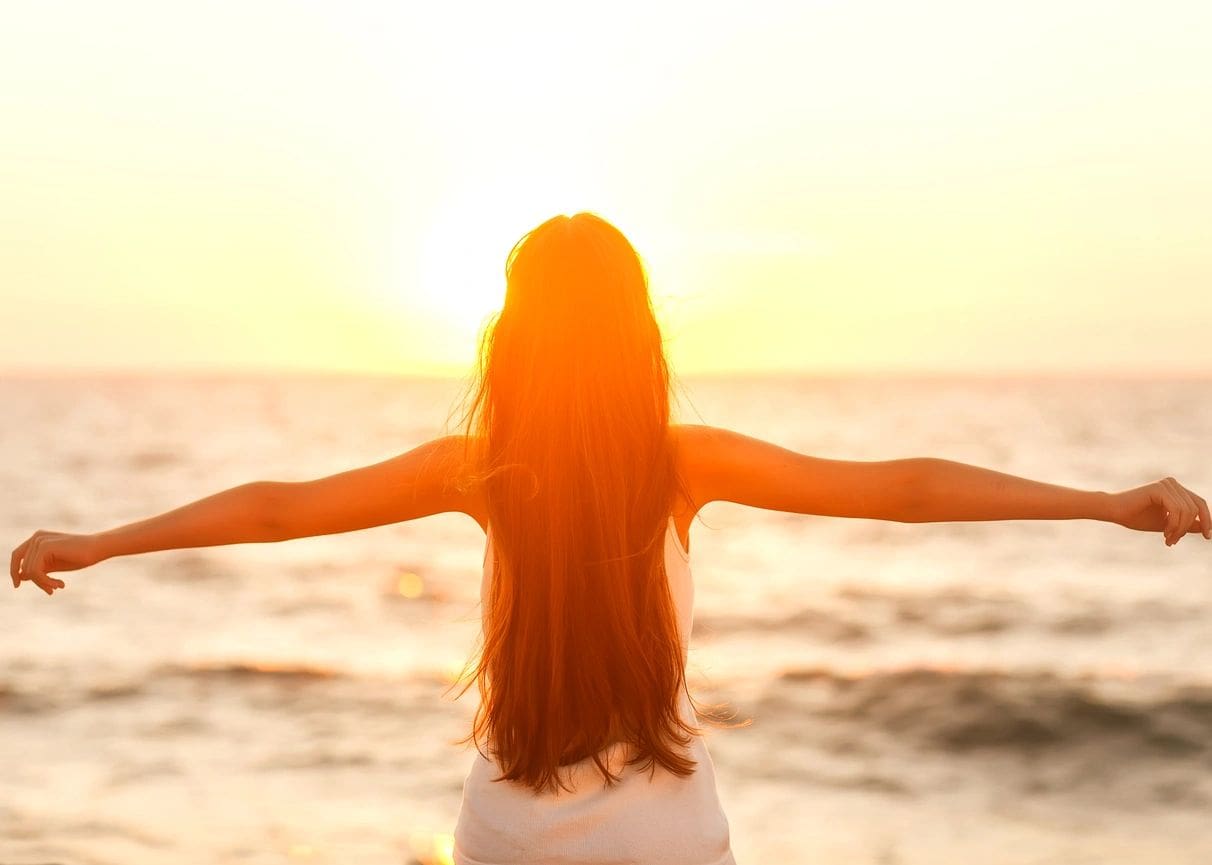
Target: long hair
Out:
[570,414]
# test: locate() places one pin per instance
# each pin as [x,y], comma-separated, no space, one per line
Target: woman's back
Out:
[648,816]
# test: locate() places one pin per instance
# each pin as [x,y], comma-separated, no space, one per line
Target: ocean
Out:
[997,692]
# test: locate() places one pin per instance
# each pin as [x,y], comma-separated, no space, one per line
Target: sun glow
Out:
[809,191]
[461,270]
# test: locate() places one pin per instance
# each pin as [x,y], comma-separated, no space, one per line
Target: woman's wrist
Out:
[99,547]
[1106,507]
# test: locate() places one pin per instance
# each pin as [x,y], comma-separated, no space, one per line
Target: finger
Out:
[41,560]
[1190,510]
[1200,521]
[1170,504]
[1177,525]
[30,562]
[39,578]
[1175,520]
[1174,525]
[1170,507]
[1205,518]
[50,584]
[1177,506]
[49,566]
[14,567]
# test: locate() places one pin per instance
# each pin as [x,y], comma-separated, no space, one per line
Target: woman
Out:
[587,745]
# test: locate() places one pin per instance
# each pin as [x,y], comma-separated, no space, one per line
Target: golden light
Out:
[432,849]
[452,670]
[410,585]
[461,270]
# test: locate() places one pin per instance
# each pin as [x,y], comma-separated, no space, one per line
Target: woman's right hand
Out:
[1162,506]
[46,552]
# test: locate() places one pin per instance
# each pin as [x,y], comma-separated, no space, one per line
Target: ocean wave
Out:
[320,758]
[831,626]
[952,611]
[285,672]
[190,568]
[967,710]
[54,691]
[252,670]
[22,702]
[34,696]
[817,624]
[147,460]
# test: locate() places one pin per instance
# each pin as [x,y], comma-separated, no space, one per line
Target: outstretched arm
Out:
[722,465]
[951,491]
[234,516]
[405,487]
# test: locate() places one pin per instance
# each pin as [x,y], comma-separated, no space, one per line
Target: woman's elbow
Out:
[915,485]
[268,511]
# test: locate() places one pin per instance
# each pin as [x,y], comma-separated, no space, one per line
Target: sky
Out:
[815,187]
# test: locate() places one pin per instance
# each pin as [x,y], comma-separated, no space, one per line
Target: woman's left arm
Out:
[414,484]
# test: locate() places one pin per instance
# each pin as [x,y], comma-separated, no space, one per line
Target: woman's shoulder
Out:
[461,461]
[697,448]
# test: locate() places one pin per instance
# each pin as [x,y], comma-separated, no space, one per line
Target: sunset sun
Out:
[461,272]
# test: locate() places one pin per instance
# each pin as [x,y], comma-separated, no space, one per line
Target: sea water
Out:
[996,692]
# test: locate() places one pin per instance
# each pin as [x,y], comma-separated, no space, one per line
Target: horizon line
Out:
[251,372]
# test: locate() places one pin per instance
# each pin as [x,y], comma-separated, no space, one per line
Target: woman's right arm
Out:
[722,465]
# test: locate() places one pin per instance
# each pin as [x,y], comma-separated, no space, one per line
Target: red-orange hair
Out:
[570,412]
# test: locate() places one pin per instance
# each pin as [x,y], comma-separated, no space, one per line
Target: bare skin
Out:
[716,465]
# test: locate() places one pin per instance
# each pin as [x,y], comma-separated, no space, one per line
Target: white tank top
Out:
[664,819]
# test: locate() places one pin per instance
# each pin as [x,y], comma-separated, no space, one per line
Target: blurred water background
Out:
[1014,692]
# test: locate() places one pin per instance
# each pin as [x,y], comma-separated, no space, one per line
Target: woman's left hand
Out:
[1163,506]
[46,552]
